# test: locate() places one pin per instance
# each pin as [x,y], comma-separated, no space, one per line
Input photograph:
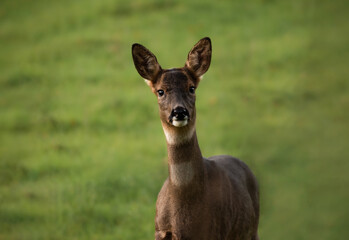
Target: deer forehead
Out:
[175,79]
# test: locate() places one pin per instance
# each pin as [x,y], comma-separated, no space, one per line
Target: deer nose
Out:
[180,113]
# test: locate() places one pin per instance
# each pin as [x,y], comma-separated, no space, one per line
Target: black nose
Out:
[179,113]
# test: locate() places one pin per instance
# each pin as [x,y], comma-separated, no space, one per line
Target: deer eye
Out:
[161,93]
[192,90]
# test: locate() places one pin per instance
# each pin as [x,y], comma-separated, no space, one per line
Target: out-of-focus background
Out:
[82,151]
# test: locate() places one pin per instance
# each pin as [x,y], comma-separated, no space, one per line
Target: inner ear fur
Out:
[145,62]
[199,57]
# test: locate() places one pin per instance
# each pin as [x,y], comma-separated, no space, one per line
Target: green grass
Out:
[82,153]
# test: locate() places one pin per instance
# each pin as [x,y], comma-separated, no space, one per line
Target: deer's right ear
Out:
[145,62]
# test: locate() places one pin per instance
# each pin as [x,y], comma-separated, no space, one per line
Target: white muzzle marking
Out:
[180,123]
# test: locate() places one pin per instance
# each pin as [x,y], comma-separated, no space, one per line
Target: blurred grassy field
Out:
[82,151]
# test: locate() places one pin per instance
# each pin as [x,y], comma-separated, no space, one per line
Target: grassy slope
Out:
[82,150]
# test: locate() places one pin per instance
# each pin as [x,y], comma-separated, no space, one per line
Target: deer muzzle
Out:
[179,117]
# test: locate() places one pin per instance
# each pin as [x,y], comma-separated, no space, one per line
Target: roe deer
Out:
[203,198]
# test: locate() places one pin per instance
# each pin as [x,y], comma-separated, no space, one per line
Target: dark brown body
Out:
[215,198]
[220,203]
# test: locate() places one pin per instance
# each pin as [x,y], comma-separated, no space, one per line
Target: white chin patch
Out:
[181,123]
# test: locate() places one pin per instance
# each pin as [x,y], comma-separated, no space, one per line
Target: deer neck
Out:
[185,161]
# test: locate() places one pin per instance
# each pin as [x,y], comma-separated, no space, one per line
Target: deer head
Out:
[174,88]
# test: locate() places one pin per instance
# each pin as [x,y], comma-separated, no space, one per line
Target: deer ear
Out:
[145,62]
[199,57]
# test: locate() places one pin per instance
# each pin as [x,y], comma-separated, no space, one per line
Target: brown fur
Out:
[203,198]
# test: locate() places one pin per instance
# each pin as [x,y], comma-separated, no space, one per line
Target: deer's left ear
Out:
[145,62]
[199,57]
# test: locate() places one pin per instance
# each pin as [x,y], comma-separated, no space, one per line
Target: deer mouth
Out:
[179,122]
